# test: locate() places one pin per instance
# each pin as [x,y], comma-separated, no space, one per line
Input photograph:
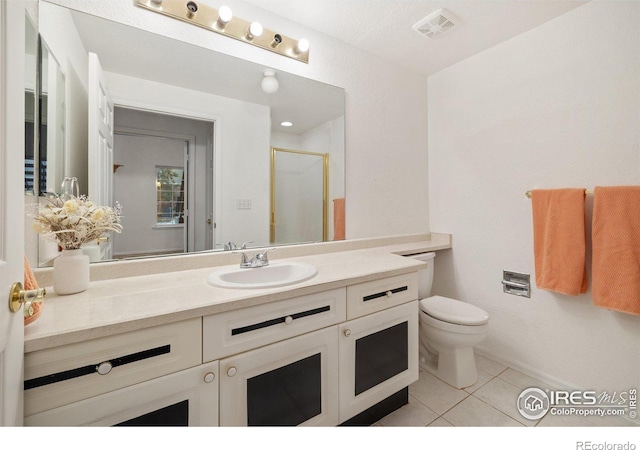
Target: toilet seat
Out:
[453,311]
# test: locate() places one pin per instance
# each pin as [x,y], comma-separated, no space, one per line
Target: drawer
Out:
[63,375]
[188,397]
[233,332]
[374,296]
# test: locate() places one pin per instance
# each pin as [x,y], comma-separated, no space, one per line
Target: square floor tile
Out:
[611,421]
[435,393]
[563,421]
[413,414]
[440,422]
[489,365]
[483,378]
[472,412]
[504,397]
[521,380]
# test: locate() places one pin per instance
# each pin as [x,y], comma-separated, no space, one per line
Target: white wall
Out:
[556,107]
[59,32]
[386,111]
[241,138]
[200,135]
[134,186]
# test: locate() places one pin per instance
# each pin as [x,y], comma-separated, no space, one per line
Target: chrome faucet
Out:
[232,246]
[258,260]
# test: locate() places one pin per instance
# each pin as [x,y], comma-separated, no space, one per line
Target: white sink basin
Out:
[274,275]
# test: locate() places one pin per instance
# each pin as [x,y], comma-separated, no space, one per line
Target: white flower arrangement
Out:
[77,221]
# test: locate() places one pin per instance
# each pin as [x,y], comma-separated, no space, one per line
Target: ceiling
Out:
[384,27]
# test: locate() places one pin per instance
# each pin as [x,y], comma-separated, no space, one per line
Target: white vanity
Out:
[339,348]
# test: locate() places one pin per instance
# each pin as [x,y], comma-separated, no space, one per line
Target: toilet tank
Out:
[425,276]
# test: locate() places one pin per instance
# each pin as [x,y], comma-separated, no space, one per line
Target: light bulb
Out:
[224,16]
[303,46]
[270,83]
[255,30]
[287,124]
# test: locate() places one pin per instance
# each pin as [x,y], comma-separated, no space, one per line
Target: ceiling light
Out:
[255,30]
[224,16]
[270,83]
[223,21]
[287,124]
[303,46]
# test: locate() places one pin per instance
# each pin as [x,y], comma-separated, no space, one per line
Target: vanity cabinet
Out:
[314,360]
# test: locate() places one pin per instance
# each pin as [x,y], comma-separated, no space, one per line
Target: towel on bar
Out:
[31,283]
[616,248]
[559,240]
[338,219]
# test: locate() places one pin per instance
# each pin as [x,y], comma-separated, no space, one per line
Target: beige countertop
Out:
[129,303]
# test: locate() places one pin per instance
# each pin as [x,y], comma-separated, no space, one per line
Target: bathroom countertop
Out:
[126,304]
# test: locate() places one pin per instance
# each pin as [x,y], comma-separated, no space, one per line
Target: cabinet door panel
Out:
[293,382]
[378,357]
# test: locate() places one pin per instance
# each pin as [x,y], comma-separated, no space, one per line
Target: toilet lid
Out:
[453,311]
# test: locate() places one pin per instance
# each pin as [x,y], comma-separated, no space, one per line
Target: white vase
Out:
[70,272]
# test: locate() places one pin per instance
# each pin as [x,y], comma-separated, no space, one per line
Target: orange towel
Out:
[559,240]
[338,219]
[616,248]
[30,283]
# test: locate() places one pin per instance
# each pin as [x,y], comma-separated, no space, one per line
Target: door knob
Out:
[18,296]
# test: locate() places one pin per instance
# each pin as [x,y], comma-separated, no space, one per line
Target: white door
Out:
[100,142]
[12,29]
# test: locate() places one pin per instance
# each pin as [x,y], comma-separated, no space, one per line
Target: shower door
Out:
[299,193]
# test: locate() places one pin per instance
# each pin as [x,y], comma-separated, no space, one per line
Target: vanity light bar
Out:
[213,20]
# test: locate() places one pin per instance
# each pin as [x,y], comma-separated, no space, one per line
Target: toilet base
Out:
[457,367]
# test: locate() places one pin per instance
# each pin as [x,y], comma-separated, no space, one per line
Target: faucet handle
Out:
[243,259]
[262,256]
[244,245]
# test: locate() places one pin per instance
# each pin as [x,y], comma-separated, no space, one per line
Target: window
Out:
[170,195]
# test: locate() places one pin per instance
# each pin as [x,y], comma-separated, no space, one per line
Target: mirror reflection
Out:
[181,136]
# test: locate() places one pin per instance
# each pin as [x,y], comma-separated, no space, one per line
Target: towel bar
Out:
[528,193]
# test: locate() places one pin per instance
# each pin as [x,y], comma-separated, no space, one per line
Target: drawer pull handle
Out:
[104,368]
[209,377]
[279,320]
[93,368]
[347,332]
[385,293]
[231,371]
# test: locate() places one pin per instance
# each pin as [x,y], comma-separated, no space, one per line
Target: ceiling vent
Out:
[436,23]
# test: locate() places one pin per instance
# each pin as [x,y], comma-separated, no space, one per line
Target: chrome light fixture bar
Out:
[222,22]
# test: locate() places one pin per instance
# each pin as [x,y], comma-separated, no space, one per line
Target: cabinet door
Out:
[378,357]
[293,382]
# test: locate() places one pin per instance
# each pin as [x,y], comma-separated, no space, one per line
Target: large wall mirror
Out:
[188,149]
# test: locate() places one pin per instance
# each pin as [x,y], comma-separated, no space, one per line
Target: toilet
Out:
[449,329]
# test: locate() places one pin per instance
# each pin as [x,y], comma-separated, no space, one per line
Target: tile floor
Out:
[489,402]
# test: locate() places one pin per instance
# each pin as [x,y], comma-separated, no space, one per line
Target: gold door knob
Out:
[18,296]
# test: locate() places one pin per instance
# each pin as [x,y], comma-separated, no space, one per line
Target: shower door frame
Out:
[325,191]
